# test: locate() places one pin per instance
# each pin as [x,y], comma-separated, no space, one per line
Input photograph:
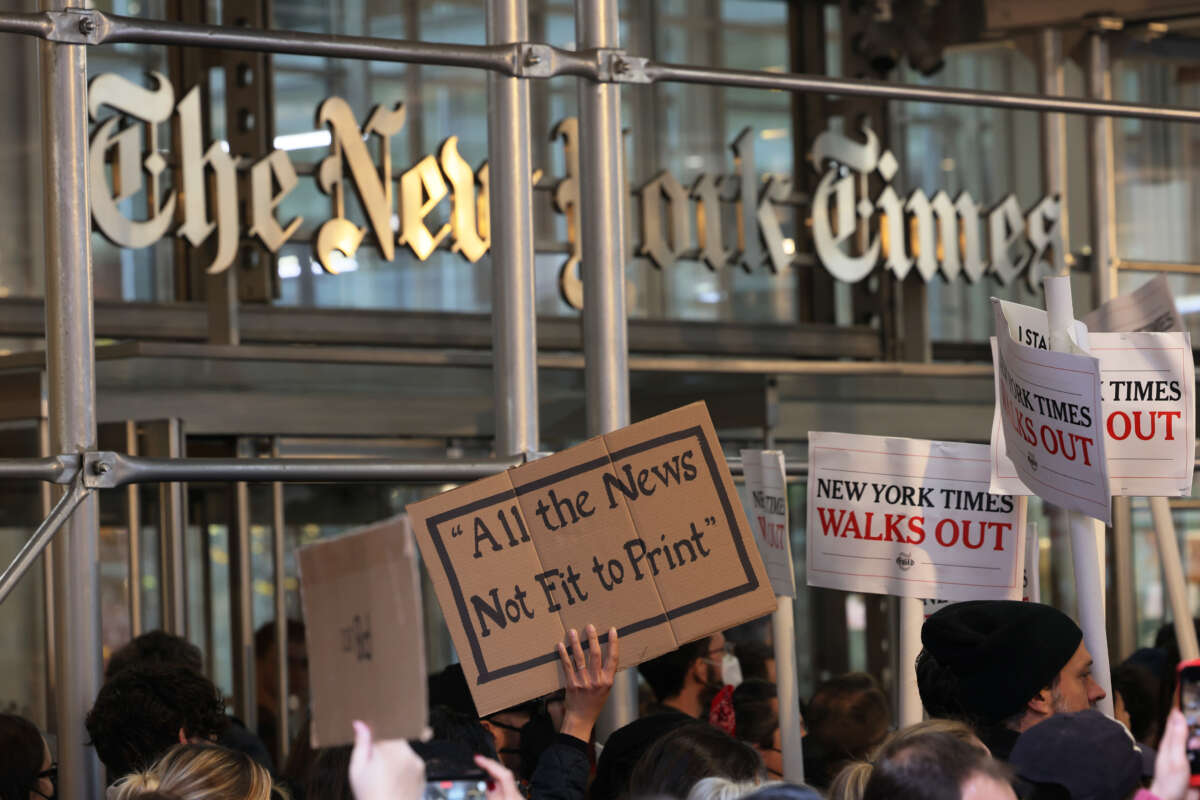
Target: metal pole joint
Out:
[616,66]
[77,26]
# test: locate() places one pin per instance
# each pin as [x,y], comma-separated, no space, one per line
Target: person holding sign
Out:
[1009,666]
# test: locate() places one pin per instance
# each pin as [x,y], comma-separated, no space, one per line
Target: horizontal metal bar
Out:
[111,29]
[108,470]
[1158,266]
[856,87]
[780,366]
[535,60]
[41,537]
[262,324]
[28,23]
[53,469]
[796,469]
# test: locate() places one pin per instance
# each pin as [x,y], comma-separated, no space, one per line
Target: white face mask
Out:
[731,670]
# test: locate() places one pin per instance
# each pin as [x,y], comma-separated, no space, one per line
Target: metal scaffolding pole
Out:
[514,319]
[1103,171]
[1054,126]
[70,368]
[602,235]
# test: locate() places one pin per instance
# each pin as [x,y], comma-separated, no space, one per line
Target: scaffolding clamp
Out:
[77,26]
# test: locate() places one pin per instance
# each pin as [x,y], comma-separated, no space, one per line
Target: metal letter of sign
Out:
[862,158]
[275,168]
[421,189]
[1006,228]
[777,190]
[470,239]
[196,226]
[151,107]
[947,224]
[566,201]
[1043,227]
[972,245]
[925,248]
[750,254]
[665,250]
[374,187]
[893,235]
[707,194]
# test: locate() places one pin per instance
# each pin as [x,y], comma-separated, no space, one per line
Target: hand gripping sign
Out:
[1147,406]
[1048,410]
[640,529]
[910,517]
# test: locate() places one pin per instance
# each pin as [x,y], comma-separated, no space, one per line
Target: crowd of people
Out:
[1007,689]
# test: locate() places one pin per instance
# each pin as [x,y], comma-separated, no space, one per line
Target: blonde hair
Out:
[198,772]
[851,782]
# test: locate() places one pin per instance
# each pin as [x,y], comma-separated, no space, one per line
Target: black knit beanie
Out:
[1001,651]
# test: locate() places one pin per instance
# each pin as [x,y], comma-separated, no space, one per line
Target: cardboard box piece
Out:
[640,529]
[363,628]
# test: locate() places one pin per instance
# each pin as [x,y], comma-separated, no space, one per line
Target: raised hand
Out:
[588,681]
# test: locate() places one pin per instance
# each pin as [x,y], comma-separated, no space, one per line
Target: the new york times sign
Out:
[442,201]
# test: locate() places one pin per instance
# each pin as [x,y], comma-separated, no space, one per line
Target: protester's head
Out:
[625,747]
[938,766]
[198,772]
[677,761]
[328,776]
[26,771]
[848,716]
[1015,663]
[1135,700]
[451,726]
[851,781]
[776,790]
[938,689]
[757,660]
[689,677]
[756,722]
[155,647]
[521,734]
[266,663]
[142,711]
[1085,753]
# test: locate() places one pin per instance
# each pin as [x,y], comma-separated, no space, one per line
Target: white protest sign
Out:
[1031,581]
[1149,411]
[1147,404]
[1150,308]
[767,486]
[1049,409]
[910,517]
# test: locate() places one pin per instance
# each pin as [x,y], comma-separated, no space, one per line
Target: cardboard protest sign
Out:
[1147,405]
[910,517]
[1049,424]
[1031,577]
[1150,308]
[766,482]
[640,529]
[366,648]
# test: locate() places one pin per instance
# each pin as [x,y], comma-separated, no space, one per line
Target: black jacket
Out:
[562,770]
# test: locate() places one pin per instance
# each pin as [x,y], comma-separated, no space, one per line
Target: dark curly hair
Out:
[155,647]
[141,710]
[20,757]
[666,674]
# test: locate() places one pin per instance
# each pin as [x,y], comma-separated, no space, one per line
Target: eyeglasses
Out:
[718,651]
